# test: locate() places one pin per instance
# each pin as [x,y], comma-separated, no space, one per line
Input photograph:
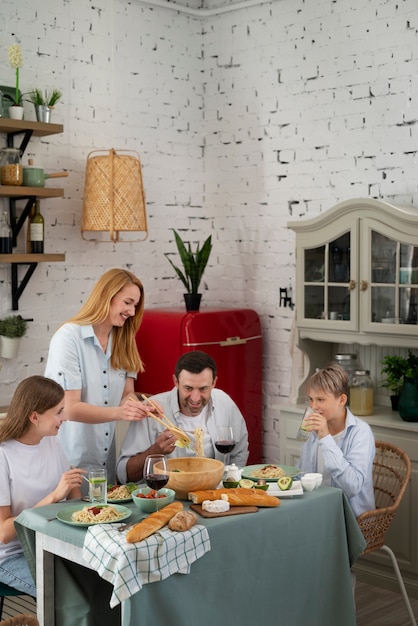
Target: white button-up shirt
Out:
[222,411]
[77,361]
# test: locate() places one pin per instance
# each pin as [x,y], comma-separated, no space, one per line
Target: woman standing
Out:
[34,470]
[94,357]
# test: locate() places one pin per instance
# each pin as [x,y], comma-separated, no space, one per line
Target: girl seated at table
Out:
[341,446]
[34,470]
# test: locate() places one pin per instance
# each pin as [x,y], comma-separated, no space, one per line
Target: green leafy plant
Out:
[412,366]
[16,100]
[194,263]
[396,368]
[13,326]
[48,98]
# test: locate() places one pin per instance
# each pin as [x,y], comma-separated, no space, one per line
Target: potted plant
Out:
[44,102]
[408,399]
[194,264]
[16,61]
[394,368]
[402,378]
[12,328]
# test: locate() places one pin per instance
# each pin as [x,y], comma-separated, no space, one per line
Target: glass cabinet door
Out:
[393,281]
[357,276]
[383,277]
[326,280]
[408,284]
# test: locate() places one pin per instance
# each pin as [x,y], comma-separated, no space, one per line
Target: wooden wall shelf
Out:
[39,129]
[26,130]
[7,191]
[23,259]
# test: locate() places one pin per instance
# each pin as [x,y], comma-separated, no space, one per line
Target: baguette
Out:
[153,522]
[236,497]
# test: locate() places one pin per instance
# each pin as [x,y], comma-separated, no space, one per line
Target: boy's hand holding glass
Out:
[304,429]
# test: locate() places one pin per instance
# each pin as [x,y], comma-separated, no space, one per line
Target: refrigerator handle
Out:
[232,341]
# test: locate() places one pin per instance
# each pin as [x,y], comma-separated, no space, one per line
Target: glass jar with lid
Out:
[361,393]
[348,362]
[11,170]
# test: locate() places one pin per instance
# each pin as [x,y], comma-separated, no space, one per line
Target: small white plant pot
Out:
[9,347]
[16,112]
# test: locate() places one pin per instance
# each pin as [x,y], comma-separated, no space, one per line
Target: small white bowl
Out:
[308,483]
[317,477]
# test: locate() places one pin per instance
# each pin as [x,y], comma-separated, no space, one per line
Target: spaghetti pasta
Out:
[268,471]
[96,515]
[199,445]
[121,492]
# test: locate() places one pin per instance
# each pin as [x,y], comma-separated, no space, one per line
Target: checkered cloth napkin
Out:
[128,566]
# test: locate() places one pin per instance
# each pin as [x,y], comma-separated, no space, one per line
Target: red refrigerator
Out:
[232,337]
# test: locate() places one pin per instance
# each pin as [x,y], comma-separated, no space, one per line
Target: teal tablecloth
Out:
[288,566]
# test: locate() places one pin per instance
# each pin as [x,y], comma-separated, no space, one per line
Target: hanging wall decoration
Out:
[114,199]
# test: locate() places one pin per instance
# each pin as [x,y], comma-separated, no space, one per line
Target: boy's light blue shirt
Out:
[350,463]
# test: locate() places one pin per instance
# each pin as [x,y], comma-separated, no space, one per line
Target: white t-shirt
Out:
[28,474]
[189,425]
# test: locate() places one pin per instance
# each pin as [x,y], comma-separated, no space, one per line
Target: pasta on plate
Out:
[269,471]
[121,492]
[96,515]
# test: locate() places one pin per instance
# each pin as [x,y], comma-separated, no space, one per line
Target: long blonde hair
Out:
[96,309]
[35,393]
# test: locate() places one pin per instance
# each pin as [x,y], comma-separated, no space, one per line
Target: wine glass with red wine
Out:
[156,479]
[224,441]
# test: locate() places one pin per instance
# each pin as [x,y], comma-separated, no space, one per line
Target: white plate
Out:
[295,490]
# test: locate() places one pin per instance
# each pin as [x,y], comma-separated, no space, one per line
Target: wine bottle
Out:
[30,216]
[5,235]
[36,231]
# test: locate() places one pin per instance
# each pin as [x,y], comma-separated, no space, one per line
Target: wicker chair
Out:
[5,592]
[391,473]
[21,620]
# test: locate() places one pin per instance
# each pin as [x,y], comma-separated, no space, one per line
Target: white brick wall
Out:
[242,120]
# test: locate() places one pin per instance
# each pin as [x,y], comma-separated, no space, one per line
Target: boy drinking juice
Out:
[341,446]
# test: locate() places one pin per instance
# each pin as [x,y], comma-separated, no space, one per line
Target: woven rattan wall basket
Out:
[114,199]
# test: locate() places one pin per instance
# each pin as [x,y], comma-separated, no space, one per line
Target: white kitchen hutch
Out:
[357,292]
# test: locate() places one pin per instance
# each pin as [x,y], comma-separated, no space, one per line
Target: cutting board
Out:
[234,510]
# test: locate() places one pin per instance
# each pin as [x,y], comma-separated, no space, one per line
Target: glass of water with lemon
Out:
[303,433]
[98,486]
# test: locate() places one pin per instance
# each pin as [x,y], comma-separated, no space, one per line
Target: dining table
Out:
[288,565]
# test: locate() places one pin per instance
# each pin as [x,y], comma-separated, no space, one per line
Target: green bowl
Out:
[148,505]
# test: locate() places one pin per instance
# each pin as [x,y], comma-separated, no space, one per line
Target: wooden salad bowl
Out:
[192,474]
